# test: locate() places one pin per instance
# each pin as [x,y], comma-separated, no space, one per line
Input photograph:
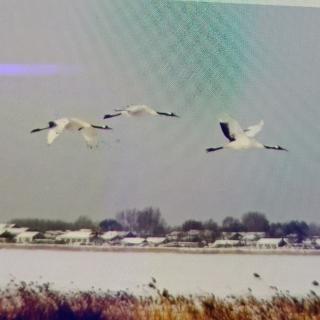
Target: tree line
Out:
[149,222]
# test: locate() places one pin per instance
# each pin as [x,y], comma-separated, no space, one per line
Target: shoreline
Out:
[239,250]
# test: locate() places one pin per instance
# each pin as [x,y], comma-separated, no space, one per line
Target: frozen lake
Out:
[221,274]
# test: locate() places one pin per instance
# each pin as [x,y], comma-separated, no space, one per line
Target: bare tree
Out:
[255,222]
[146,222]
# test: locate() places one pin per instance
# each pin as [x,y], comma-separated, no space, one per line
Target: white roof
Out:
[317,241]
[54,232]
[133,240]
[15,231]
[269,241]
[251,236]
[27,234]
[6,225]
[79,234]
[156,240]
[176,232]
[223,242]
[109,235]
[194,232]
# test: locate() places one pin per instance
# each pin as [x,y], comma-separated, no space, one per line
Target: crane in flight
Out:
[240,139]
[88,130]
[137,111]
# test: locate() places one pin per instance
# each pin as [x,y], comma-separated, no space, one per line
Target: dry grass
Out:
[32,301]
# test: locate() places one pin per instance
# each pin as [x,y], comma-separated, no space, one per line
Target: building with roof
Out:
[27,236]
[174,235]
[271,243]
[15,231]
[133,241]
[82,236]
[155,241]
[191,235]
[316,243]
[225,243]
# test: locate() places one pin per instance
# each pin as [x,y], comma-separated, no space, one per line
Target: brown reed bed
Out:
[21,301]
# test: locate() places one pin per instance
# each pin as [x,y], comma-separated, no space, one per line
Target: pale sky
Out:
[84,58]
[286,3]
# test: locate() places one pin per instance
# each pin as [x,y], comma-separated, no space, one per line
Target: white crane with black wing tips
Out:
[88,130]
[138,111]
[240,139]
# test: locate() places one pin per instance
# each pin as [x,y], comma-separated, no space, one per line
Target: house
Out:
[155,241]
[133,241]
[271,243]
[27,236]
[15,231]
[53,234]
[251,238]
[316,243]
[225,243]
[192,235]
[5,226]
[293,238]
[174,235]
[82,236]
[110,235]
[308,244]
[117,235]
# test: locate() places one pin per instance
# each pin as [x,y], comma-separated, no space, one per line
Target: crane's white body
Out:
[138,111]
[243,139]
[73,124]
[88,131]
[240,139]
[243,143]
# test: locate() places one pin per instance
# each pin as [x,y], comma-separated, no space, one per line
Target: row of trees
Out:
[149,222]
[44,225]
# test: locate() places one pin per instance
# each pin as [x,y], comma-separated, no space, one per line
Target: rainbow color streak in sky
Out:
[35,70]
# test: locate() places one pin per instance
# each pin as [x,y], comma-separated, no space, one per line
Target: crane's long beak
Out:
[39,129]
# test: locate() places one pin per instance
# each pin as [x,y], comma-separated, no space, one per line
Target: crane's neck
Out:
[214,149]
[107,116]
[164,113]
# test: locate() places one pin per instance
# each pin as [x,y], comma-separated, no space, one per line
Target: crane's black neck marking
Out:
[107,116]
[168,114]
[214,149]
[100,127]
[275,148]
[52,124]
[163,113]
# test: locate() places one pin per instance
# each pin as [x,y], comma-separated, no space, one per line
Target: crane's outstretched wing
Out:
[140,110]
[54,132]
[230,128]
[252,131]
[90,136]
[88,132]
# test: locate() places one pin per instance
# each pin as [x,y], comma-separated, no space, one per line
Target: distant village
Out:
[11,233]
[147,228]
